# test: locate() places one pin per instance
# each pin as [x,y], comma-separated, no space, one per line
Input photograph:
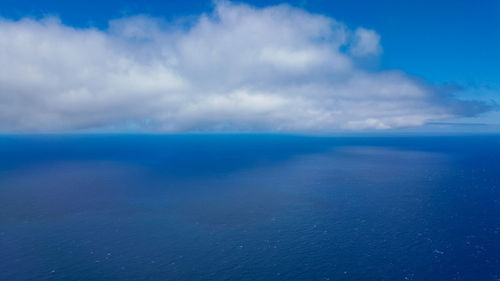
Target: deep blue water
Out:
[249,207]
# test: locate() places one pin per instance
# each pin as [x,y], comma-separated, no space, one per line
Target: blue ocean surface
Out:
[249,207]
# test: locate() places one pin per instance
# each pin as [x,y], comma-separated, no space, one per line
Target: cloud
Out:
[238,68]
[365,42]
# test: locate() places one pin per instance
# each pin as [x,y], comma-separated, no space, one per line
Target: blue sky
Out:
[450,44]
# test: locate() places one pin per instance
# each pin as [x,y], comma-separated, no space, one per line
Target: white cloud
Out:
[238,68]
[365,42]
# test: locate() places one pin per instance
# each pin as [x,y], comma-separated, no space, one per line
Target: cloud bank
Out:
[237,68]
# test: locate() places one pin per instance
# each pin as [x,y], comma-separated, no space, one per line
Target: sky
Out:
[258,66]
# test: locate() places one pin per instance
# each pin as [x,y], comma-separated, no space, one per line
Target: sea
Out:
[249,207]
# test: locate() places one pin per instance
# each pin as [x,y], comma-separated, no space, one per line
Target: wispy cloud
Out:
[365,42]
[238,68]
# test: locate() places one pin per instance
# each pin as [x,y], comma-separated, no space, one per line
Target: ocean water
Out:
[249,207]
